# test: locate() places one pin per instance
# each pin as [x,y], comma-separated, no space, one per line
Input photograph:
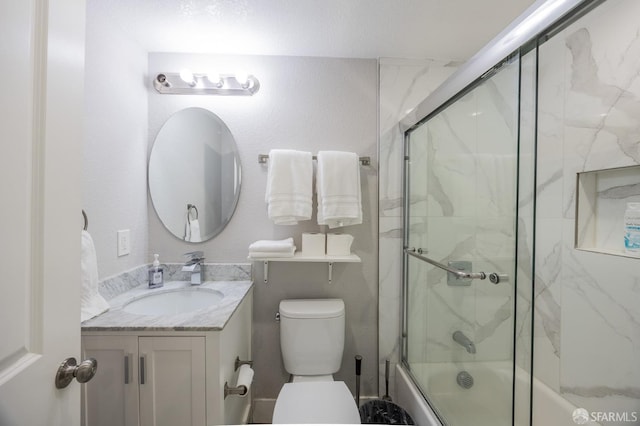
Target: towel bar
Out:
[364,161]
[459,274]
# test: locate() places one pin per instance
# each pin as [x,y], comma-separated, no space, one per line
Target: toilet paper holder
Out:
[243,382]
[238,390]
[238,363]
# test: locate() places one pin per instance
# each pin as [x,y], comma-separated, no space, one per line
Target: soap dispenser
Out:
[156,273]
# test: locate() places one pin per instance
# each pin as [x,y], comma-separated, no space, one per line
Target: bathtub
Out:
[477,405]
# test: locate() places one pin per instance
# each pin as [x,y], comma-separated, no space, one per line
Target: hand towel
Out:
[272,246]
[338,187]
[289,182]
[193,231]
[91,302]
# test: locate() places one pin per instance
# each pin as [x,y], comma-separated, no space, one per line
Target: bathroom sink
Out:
[174,302]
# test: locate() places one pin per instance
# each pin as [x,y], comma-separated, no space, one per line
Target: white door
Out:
[41,106]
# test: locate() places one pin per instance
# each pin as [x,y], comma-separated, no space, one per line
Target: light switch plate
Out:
[124,242]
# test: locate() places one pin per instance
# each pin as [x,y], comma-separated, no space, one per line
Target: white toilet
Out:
[312,341]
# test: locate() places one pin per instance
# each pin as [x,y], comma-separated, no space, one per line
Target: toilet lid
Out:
[315,402]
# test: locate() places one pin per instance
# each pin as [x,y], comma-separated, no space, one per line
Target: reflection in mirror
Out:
[194,175]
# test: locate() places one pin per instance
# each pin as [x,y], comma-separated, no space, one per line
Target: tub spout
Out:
[460,338]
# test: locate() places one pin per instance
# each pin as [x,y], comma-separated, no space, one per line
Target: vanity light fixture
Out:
[187,83]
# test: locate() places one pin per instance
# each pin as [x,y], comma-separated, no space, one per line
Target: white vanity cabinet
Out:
[167,377]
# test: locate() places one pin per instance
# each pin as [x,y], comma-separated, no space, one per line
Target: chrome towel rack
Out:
[364,161]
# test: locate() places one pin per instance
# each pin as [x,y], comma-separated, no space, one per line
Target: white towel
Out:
[272,246]
[338,186]
[263,254]
[193,231]
[289,183]
[91,302]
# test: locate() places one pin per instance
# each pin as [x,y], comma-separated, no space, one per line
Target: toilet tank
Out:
[312,336]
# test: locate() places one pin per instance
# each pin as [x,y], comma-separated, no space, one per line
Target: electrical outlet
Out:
[124,242]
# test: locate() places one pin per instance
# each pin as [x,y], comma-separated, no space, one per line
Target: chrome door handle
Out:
[143,371]
[69,369]
[127,357]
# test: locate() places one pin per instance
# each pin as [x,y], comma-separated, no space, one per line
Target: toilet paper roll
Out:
[245,377]
[313,244]
[339,244]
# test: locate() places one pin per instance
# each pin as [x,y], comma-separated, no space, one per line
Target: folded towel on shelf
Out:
[338,187]
[91,302]
[267,254]
[289,183]
[272,248]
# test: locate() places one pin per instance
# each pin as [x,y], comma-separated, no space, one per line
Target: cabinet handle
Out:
[143,363]
[126,369]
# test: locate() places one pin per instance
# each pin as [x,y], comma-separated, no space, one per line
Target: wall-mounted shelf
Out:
[299,257]
[602,197]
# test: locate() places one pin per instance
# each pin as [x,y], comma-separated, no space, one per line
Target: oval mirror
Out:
[194,175]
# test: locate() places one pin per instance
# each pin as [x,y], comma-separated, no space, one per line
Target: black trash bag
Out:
[385,413]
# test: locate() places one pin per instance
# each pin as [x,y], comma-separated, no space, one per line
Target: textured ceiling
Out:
[445,29]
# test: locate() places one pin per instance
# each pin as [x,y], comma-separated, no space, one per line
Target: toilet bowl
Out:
[315,403]
[312,343]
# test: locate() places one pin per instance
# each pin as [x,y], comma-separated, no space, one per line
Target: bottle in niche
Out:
[632,229]
[156,273]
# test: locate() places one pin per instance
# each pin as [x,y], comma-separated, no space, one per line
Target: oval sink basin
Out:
[174,302]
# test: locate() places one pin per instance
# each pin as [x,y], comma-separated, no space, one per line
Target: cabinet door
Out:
[111,397]
[172,381]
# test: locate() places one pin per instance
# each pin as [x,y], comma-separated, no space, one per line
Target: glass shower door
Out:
[461,214]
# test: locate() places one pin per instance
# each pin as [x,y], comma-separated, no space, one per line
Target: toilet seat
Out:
[315,402]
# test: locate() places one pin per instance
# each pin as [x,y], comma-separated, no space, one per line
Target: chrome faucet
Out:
[195,265]
[464,341]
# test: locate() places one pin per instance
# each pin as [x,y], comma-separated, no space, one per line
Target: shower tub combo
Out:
[470,153]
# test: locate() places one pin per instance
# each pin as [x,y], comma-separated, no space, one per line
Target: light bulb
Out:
[215,79]
[243,79]
[187,77]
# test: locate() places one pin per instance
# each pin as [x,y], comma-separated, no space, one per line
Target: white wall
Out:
[307,104]
[115,162]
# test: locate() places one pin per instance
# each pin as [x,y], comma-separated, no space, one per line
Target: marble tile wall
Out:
[403,85]
[587,304]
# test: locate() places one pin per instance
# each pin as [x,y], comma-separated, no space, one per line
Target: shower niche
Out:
[601,201]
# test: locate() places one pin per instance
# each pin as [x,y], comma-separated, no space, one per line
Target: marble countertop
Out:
[206,319]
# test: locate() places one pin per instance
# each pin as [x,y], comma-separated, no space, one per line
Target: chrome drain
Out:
[464,379]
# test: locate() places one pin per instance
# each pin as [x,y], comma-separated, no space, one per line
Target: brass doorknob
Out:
[69,369]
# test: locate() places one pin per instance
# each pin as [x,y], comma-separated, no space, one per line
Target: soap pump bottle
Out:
[156,273]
